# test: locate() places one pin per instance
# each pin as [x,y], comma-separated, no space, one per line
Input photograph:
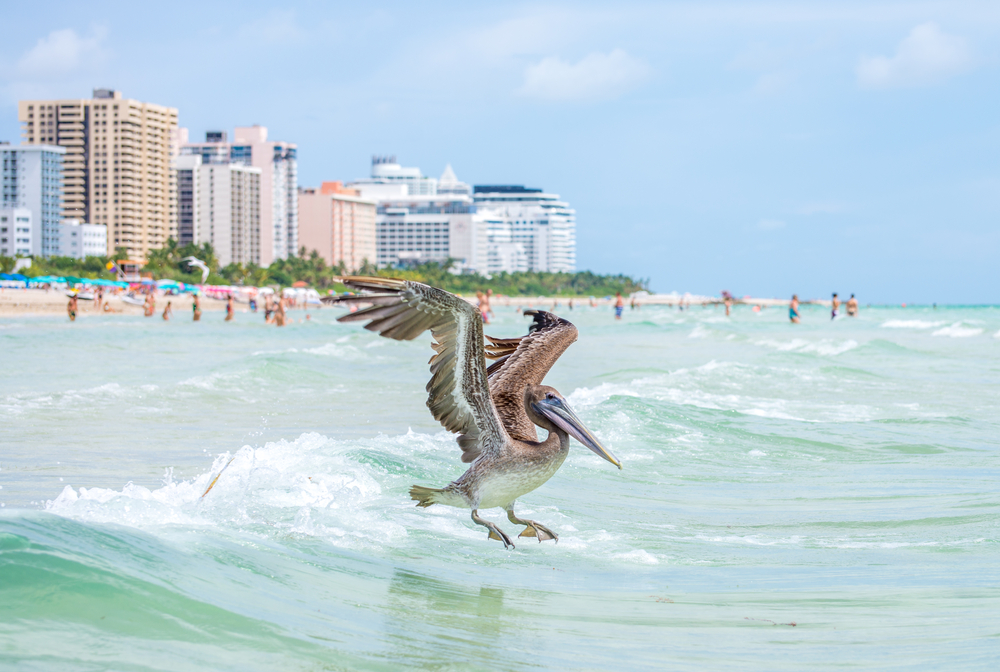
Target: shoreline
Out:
[19,301]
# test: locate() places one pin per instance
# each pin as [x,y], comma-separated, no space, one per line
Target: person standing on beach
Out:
[229,308]
[167,312]
[98,299]
[619,305]
[196,308]
[71,308]
[793,309]
[852,306]
[835,304]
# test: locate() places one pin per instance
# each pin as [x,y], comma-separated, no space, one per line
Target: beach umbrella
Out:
[13,276]
[300,283]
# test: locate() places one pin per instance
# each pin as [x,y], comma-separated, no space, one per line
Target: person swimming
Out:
[852,306]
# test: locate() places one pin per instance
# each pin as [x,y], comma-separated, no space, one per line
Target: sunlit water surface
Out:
[793,496]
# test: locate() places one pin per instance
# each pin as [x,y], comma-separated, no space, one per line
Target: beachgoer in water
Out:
[793,309]
[619,305]
[729,303]
[279,313]
[196,308]
[253,304]
[268,310]
[71,308]
[835,304]
[167,312]
[852,306]
[571,304]
[484,306]
[148,306]
[229,308]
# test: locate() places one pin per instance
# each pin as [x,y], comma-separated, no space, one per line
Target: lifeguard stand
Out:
[129,270]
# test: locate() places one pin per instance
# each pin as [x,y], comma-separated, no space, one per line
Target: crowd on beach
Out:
[275,309]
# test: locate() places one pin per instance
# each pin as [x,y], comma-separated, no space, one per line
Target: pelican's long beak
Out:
[560,413]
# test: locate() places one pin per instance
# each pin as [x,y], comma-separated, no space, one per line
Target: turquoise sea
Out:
[814,496]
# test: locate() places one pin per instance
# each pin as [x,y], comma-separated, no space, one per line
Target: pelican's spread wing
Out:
[459,394]
[525,361]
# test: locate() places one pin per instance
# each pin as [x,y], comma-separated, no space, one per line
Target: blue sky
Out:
[761,147]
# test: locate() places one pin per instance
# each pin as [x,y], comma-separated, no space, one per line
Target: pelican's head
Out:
[549,410]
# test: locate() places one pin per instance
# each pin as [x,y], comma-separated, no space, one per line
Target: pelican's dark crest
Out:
[493,410]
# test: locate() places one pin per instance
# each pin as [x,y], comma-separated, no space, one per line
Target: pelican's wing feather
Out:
[458,391]
[525,361]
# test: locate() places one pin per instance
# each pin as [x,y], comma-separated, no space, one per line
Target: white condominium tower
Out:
[32,179]
[278,164]
[116,170]
[420,219]
[220,204]
[528,229]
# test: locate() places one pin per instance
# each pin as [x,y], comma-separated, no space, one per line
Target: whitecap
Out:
[336,350]
[957,330]
[638,556]
[910,324]
[824,347]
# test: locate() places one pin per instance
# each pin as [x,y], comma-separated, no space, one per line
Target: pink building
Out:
[337,223]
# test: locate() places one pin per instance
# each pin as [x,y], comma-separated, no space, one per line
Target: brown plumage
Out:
[525,361]
[494,414]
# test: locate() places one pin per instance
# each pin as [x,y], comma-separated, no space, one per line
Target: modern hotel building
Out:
[338,224]
[116,169]
[278,165]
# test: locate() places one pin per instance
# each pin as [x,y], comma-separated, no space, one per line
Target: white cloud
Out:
[597,76]
[770,224]
[61,53]
[925,56]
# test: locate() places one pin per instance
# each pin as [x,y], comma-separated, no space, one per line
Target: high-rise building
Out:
[220,204]
[417,222]
[32,179]
[116,170]
[230,205]
[528,229]
[15,232]
[339,224]
[278,164]
[186,169]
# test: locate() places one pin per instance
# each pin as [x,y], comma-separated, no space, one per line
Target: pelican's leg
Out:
[532,528]
[495,532]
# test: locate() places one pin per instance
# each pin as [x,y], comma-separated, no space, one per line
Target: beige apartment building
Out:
[116,170]
[337,223]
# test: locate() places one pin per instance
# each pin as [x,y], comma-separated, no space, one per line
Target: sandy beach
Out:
[42,302]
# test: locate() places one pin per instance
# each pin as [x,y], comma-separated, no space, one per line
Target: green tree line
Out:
[311,268]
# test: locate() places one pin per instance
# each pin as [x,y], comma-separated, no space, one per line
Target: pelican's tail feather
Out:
[424,497]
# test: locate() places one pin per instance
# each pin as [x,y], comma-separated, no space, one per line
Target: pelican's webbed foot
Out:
[532,529]
[495,532]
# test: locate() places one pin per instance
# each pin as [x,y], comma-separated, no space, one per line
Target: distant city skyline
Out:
[764,148]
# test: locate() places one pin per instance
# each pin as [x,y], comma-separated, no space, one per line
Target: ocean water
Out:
[813,496]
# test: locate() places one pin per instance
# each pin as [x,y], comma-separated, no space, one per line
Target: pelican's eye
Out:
[550,396]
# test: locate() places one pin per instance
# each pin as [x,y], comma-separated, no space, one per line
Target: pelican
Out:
[194,261]
[495,411]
